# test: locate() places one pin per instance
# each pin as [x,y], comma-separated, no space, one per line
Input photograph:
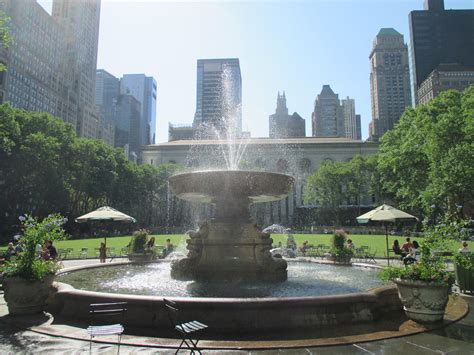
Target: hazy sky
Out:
[291,45]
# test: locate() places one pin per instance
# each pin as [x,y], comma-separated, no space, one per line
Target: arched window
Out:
[305,165]
[282,166]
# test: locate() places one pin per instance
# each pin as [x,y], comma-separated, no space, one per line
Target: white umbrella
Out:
[105,214]
[386,214]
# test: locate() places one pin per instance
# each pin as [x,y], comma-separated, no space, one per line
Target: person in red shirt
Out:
[407,246]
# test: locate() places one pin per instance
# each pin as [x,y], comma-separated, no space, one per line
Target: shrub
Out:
[139,240]
[28,264]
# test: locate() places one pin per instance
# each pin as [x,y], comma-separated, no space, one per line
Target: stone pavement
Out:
[457,338]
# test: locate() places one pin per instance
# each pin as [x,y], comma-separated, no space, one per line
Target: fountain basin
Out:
[230,315]
[209,186]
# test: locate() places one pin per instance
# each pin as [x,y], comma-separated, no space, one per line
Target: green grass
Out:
[375,242]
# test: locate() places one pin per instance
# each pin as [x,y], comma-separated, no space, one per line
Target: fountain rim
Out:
[232,171]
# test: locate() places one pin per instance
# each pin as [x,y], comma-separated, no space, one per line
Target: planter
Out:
[346,259]
[26,296]
[423,301]
[464,278]
[141,257]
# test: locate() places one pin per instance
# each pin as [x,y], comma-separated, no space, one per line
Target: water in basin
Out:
[304,279]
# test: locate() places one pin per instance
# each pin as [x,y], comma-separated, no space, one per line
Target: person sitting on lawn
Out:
[168,248]
[414,254]
[464,249]
[407,246]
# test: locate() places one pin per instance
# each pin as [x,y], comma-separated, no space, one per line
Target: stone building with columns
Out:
[298,157]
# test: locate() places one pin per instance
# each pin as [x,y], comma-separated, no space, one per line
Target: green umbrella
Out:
[386,214]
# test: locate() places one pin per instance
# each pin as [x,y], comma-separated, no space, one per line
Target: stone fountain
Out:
[230,246]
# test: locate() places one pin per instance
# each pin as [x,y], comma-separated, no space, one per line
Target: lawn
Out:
[375,242]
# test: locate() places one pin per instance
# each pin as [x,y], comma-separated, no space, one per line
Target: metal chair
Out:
[83,252]
[184,329]
[107,313]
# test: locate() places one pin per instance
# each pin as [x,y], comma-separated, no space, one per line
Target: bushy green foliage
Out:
[45,167]
[28,264]
[432,265]
[138,241]
[428,158]
[338,239]
[339,250]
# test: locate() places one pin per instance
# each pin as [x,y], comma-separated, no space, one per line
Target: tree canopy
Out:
[46,168]
[428,158]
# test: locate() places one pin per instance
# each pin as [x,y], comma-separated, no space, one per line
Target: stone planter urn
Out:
[141,257]
[26,296]
[423,301]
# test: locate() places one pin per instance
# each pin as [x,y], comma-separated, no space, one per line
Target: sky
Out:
[294,46]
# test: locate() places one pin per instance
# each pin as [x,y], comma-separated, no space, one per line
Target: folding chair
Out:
[108,314]
[184,329]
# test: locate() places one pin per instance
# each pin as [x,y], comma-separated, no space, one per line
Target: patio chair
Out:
[110,316]
[187,330]
[83,252]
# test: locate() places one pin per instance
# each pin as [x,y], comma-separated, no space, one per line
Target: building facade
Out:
[298,157]
[358,128]
[144,89]
[327,117]
[439,36]
[389,81]
[445,77]
[36,78]
[80,22]
[51,62]
[283,125]
[218,98]
[107,91]
[127,126]
[349,113]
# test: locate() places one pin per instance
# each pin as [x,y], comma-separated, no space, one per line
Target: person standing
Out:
[102,252]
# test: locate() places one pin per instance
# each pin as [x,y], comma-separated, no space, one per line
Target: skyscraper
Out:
[218,98]
[80,24]
[389,81]
[107,90]
[37,76]
[282,125]
[439,36]
[358,128]
[144,89]
[327,117]
[348,111]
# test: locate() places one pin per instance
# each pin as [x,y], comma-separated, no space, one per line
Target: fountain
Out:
[230,246]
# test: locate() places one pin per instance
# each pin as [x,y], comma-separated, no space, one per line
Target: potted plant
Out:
[424,286]
[464,271]
[27,277]
[139,250]
[339,252]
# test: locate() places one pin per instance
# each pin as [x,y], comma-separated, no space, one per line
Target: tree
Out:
[5,36]
[428,158]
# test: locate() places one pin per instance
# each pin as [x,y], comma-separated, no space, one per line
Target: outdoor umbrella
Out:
[105,214]
[386,214]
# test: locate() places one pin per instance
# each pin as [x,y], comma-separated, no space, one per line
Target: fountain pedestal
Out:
[230,246]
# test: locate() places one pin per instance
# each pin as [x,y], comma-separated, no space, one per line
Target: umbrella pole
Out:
[386,240]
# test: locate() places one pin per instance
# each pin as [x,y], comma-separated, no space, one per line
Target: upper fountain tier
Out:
[210,186]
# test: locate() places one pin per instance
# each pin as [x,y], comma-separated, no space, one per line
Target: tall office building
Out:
[283,125]
[218,98]
[348,111]
[107,90]
[37,77]
[358,128]
[80,22]
[122,112]
[327,117]
[439,36]
[144,89]
[389,81]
